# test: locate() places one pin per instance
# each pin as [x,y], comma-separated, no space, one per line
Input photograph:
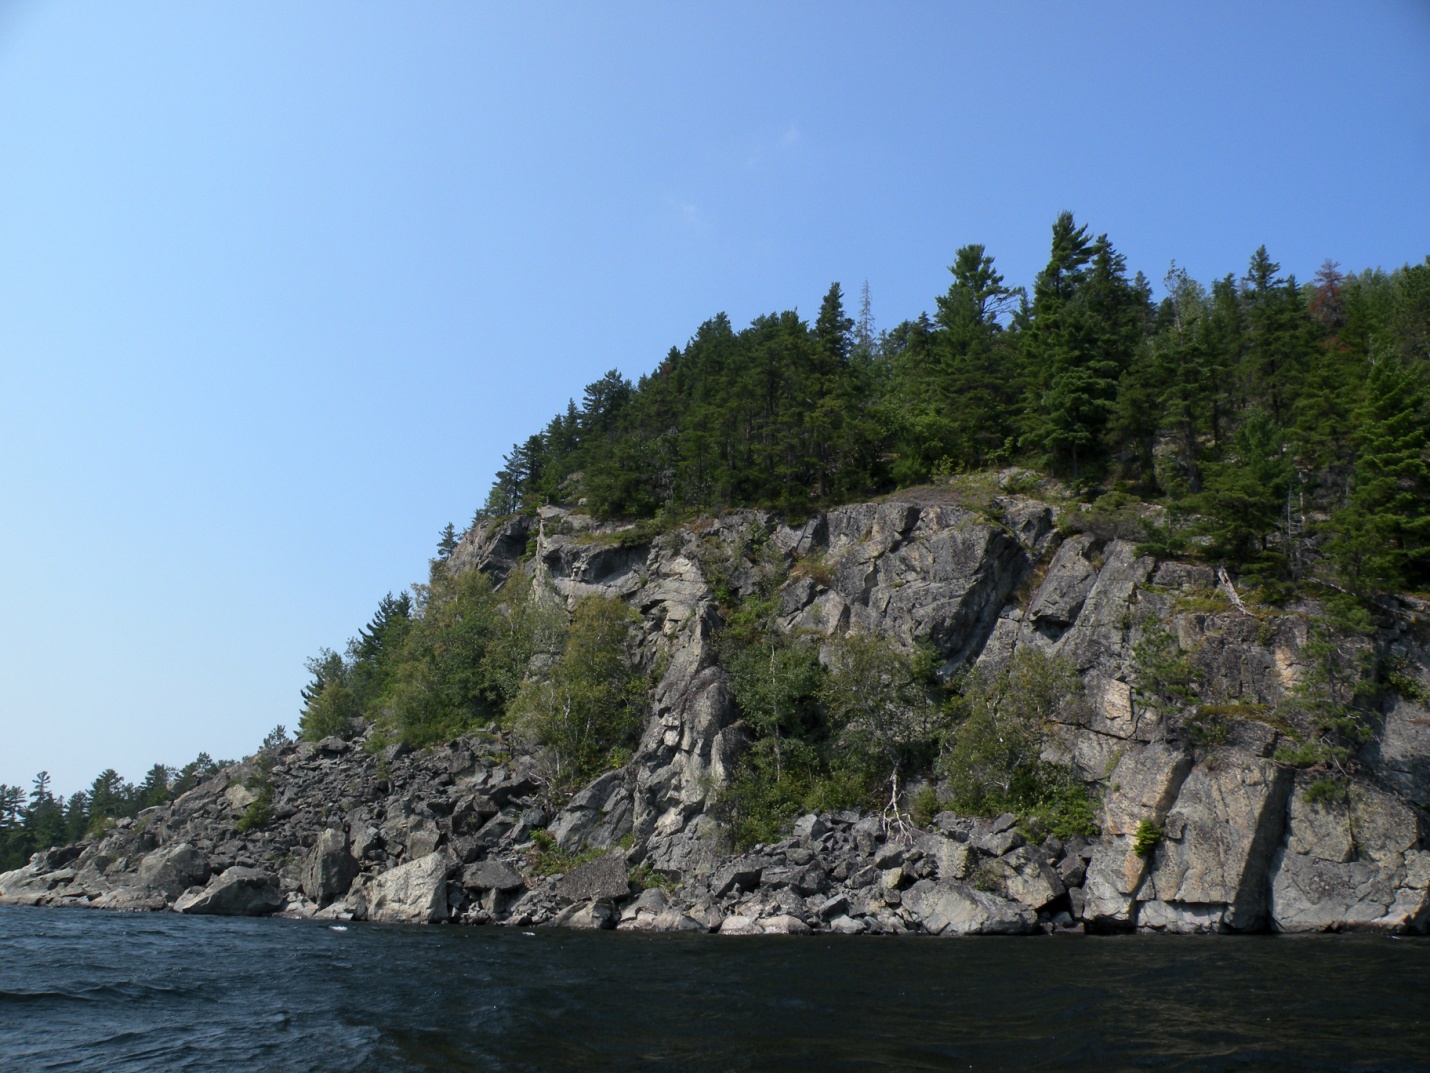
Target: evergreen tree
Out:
[154,789]
[1410,316]
[1245,498]
[1086,321]
[865,343]
[109,795]
[45,816]
[446,541]
[1281,337]
[1381,538]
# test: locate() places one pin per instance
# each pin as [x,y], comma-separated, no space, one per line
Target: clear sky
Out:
[280,283]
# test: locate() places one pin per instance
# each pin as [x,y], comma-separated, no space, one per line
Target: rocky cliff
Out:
[1201,830]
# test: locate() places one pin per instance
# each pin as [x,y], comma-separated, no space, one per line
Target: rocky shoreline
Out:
[462,832]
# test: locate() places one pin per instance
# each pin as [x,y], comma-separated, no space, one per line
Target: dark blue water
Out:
[101,991]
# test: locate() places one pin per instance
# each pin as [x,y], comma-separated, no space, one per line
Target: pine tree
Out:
[45,816]
[974,380]
[1281,337]
[1245,498]
[1086,322]
[154,790]
[446,541]
[864,341]
[1381,538]
[108,795]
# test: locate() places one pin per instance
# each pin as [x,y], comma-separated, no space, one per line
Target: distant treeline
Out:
[1284,421]
[39,818]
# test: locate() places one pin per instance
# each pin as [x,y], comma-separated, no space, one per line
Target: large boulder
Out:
[1026,877]
[491,875]
[329,869]
[949,907]
[171,870]
[412,893]
[236,892]
[598,914]
[607,877]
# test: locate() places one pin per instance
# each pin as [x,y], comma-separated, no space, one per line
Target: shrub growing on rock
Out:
[1002,727]
[592,701]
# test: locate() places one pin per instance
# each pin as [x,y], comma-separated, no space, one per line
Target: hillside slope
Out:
[1209,818]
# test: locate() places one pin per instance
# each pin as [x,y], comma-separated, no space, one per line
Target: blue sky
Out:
[280,283]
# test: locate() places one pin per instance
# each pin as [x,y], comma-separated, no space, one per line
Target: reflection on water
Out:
[89,990]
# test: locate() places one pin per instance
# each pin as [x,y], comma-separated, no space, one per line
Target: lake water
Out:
[114,992]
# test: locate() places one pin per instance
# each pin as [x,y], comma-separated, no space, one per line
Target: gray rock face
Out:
[1358,863]
[1144,785]
[1064,590]
[173,869]
[1220,833]
[597,817]
[1239,848]
[239,891]
[330,869]
[412,893]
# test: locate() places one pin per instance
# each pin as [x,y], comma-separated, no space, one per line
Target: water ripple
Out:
[115,992]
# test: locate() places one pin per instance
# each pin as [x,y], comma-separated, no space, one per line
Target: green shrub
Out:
[546,860]
[259,812]
[585,712]
[925,805]
[1146,838]
[1326,791]
[1002,728]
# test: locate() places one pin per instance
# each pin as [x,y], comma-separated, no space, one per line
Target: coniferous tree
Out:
[1085,320]
[1381,538]
[45,816]
[446,541]
[1245,497]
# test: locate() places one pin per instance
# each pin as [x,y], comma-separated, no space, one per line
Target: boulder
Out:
[131,899]
[598,914]
[810,828]
[171,870]
[491,875]
[1027,878]
[329,869]
[949,907]
[948,856]
[737,924]
[642,913]
[736,876]
[672,920]
[585,812]
[237,892]
[412,893]
[784,924]
[605,877]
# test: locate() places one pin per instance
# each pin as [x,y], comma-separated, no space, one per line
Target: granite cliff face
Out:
[447,834]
